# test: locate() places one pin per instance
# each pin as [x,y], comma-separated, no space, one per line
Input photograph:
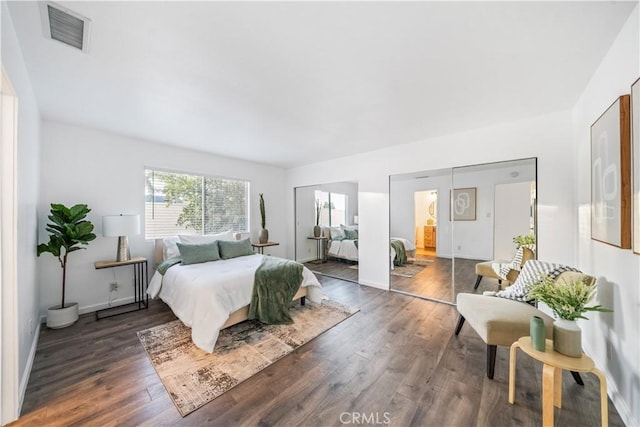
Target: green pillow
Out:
[233,249]
[195,254]
[351,234]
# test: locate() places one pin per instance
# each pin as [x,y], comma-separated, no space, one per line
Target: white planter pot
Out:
[62,317]
[567,338]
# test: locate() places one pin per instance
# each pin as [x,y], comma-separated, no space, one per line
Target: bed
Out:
[341,245]
[211,296]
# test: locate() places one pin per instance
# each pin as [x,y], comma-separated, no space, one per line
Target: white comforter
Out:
[203,295]
[345,249]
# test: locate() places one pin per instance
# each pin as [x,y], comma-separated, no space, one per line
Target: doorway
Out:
[426,221]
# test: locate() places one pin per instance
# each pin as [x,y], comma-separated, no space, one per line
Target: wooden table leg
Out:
[557,388]
[512,372]
[548,393]
[604,410]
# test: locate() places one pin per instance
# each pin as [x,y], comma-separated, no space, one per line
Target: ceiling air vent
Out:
[64,25]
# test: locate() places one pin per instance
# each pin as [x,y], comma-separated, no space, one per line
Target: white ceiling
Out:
[293,83]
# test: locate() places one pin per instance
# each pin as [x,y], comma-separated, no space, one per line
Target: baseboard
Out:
[27,369]
[616,398]
[383,286]
[100,306]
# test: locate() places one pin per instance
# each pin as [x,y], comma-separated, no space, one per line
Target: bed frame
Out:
[242,313]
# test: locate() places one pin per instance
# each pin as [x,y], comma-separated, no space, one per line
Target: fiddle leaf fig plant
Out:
[69,231]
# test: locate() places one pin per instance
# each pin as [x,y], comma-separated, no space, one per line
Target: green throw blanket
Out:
[168,263]
[276,282]
[401,253]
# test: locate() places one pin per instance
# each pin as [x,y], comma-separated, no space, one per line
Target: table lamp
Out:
[121,226]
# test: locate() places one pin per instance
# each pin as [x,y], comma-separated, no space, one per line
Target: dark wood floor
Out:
[397,358]
[434,281]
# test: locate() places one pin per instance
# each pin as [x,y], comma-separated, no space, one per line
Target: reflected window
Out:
[333,208]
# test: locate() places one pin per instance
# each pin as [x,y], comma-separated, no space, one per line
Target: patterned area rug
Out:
[411,269]
[193,377]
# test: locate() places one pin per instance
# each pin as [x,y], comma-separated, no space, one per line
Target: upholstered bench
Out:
[485,268]
[498,321]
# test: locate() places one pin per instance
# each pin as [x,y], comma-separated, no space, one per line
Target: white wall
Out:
[547,138]
[611,339]
[512,217]
[27,197]
[106,171]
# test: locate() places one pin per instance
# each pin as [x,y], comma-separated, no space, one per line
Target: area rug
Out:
[193,377]
[410,269]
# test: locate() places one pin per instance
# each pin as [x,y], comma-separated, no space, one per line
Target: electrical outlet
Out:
[31,326]
[113,287]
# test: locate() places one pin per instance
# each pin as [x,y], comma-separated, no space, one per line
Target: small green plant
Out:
[69,232]
[523,240]
[567,299]
[263,214]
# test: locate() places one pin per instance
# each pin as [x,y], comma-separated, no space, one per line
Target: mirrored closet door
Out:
[459,218]
[326,231]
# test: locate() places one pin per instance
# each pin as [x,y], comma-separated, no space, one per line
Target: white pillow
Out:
[349,227]
[337,233]
[198,239]
[170,247]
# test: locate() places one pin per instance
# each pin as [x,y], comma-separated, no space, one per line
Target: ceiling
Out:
[292,83]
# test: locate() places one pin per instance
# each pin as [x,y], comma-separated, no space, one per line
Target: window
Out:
[333,208]
[193,204]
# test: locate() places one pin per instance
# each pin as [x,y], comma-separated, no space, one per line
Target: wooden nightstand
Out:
[261,246]
[140,283]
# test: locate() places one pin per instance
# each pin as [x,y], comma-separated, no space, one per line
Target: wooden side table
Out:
[140,283]
[554,363]
[261,246]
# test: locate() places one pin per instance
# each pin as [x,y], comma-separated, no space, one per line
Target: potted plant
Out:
[568,300]
[528,240]
[263,236]
[69,232]
[317,230]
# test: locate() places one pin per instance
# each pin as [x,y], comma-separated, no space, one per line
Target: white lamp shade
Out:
[120,225]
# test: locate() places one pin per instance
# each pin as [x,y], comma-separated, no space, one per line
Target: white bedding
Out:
[408,244]
[345,249]
[203,295]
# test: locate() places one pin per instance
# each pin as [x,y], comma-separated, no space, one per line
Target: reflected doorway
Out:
[426,223]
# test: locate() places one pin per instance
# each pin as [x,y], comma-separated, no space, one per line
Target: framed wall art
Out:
[635,138]
[611,176]
[463,204]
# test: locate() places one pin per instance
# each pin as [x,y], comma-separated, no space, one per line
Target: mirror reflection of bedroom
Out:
[415,214]
[491,203]
[326,229]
